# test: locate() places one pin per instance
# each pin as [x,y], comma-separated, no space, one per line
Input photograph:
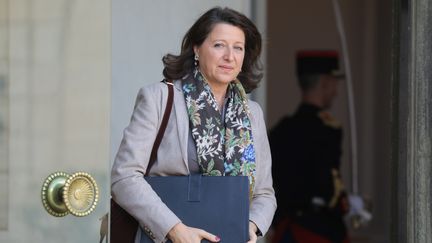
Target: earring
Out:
[196,59]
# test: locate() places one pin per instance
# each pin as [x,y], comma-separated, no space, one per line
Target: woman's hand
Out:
[181,233]
[252,232]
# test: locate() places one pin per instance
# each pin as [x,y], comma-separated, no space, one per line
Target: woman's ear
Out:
[195,49]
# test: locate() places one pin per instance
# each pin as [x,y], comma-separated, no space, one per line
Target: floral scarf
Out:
[224,148]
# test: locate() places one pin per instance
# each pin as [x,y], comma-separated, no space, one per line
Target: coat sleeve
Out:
[128,187]
[263,203]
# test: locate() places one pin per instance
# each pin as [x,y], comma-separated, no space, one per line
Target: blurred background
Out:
[70,71]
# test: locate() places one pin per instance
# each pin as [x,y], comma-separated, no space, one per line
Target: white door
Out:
[55,102]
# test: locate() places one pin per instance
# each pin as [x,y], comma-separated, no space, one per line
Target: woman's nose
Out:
[229,54]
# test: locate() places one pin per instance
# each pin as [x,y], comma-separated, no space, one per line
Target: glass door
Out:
[55,102]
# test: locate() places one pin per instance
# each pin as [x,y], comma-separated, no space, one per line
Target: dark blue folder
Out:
[216,204]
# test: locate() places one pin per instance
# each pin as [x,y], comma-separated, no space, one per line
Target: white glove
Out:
[358,213]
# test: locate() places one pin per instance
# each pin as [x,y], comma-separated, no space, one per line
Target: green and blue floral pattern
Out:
[224,147]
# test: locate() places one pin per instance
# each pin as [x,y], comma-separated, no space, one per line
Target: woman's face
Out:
[221,54]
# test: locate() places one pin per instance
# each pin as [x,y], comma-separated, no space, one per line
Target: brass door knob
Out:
[76,194]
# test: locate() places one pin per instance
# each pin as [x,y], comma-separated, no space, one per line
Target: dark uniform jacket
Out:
[306,151]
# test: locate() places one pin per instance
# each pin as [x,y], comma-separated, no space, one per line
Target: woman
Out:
[218,61]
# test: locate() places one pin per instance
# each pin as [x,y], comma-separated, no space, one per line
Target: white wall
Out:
[58,99]
[4,114]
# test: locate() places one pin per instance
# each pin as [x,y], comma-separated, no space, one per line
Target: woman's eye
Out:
[218,45]
[240,48]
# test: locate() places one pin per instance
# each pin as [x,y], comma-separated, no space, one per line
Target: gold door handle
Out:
[76,194]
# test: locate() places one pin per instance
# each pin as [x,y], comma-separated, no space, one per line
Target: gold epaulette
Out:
[329,120]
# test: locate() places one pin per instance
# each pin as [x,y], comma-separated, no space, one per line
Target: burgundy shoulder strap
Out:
[163,125]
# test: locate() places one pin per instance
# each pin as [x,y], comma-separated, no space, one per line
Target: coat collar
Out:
[182,120]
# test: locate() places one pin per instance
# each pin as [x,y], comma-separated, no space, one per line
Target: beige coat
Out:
[133,193]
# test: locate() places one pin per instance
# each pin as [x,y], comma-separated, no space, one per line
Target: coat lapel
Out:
[182,120]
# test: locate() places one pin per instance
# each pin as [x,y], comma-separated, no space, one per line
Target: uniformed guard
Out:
[306,151]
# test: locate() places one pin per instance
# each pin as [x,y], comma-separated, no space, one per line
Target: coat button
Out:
[149,232]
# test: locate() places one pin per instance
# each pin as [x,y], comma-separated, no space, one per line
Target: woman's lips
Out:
[226,68]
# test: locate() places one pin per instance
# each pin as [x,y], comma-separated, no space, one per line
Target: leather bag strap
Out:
[123,225]
[163,125]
